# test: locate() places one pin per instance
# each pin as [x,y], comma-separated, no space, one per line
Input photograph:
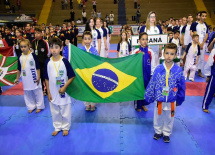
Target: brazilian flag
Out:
[105,80]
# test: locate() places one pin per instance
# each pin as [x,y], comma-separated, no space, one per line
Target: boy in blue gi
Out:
[143,39]
[167,89]
[87,39]
[210,73]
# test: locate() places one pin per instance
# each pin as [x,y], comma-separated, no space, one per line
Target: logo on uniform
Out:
[42,49]
[32,35]
[31,63]
[61,72]
[155,31]
[94,34]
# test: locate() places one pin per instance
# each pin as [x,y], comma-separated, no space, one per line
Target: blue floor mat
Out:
[202,130]
[138,139]
[103,110]
[88,136]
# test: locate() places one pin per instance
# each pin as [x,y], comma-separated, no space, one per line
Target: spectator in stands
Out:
[107,18]
[135,4]
[72,14]
[138,15]
[93,14]
[99,14]
[7,4]
[84,16]
[71,4]
[43,26]
[18,3]
[94,5]
[111,16]
[84,3]
[66,4]
[62,5]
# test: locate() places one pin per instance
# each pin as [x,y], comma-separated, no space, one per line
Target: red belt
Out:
[159,105]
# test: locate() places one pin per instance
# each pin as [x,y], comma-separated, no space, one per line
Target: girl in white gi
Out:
[129,33]
[167,89]
[123,47]
[201,29]
[103,33]
[152,28]
[29,69]
[105,25]
[96,40]
[176,40]
[87,39]
[192,55]
[58,75]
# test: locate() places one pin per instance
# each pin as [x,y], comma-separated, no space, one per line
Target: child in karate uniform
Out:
[96,40]
[176,40]
[29,69]
[87,39]
[129,33]
[167,89]
[123,47]
[192,55]
[58,75]
[201,29]
[103,33]
[147,57]
[105,25]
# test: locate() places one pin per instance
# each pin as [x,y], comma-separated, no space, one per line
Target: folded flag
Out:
[7,51]
[105,80]
[8,70]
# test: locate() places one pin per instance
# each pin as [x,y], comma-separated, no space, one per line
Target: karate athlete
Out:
[41,50]
[151,27]
[143,40]
[103,34]
[210,89]
[176,40]
[96,40]
[186,37]
[29,69]
[167,89]
[123,47]
[58,75]
[105,25]
[192,55]
[201,29]
[87,39]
